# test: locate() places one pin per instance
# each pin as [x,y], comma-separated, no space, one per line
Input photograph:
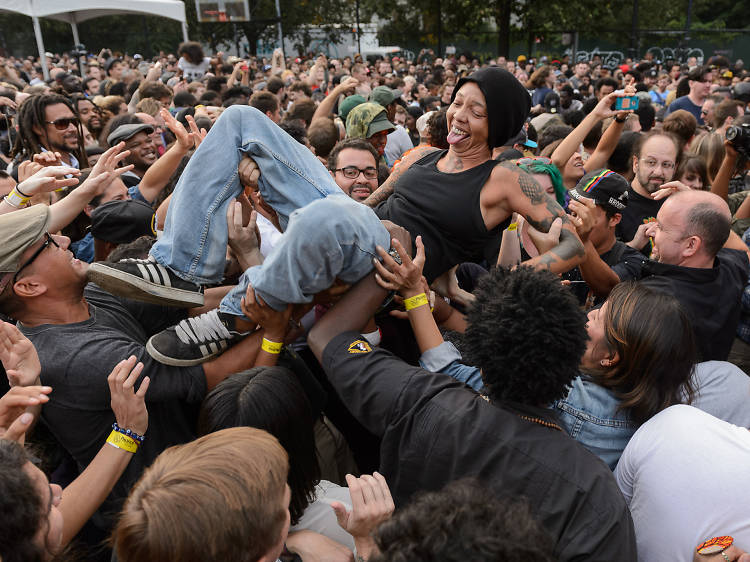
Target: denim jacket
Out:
[589,414]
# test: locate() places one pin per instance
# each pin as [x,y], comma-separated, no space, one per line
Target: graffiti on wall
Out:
[615,58]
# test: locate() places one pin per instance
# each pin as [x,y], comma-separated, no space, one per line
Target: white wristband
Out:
[14,199]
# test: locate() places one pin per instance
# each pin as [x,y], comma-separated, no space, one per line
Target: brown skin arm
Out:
[237,358]
[512,190]
[384,191]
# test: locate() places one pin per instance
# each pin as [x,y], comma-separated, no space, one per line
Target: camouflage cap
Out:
[367,119]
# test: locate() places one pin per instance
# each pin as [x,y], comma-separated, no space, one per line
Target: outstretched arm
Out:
[570,144]
[512,190]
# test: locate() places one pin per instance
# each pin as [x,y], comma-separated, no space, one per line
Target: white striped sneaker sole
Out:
[133,287]
[165,360]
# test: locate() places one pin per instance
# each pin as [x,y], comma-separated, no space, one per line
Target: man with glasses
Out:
[655,158]
[700,80]
[354,166]
[49,122]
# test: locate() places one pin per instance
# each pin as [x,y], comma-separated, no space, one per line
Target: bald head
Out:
[705,215]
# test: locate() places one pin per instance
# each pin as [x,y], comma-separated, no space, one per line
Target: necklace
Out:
[540,421]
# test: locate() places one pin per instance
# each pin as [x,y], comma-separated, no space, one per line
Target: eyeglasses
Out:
[63,123]
[352,172]
[47,241]
[651,163]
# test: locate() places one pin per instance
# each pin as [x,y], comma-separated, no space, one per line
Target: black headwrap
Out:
[508,102]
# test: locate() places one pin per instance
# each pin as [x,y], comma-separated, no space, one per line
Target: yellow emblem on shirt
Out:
[360,346]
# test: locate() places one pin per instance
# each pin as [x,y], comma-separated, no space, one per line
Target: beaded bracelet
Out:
[271,346]
[128,433]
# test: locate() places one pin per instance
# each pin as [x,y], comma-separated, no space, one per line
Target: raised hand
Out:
[406,277]
[15,420]
[128,405]
[18,356]
[668,189]
[243,240]
[49,178]
[274,322]
[582,216]
[371,505]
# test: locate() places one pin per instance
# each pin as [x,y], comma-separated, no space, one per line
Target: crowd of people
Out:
[387,310]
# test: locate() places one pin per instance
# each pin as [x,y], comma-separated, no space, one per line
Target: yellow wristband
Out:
[271,346]
[122,441]
[415,301]
[513,226]
[15,199]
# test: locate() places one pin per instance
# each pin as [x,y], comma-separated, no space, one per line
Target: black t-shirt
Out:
[435,430]
[711,297]
[620,257]
[76,360]
[444,208]
[640,209]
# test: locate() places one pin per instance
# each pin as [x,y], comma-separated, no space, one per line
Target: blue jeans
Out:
[327,234]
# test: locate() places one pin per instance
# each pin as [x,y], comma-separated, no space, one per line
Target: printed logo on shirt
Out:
[360,346]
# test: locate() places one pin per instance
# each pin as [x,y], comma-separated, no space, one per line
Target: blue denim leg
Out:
[330,238]
[195,236]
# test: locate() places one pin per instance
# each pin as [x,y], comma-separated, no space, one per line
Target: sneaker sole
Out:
[154,353]
[133,287]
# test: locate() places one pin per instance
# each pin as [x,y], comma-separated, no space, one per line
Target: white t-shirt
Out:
[269,235]
[193,72]
[399,142]
[320,517]
[686,478]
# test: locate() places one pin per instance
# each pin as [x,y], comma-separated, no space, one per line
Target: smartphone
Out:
[628,102]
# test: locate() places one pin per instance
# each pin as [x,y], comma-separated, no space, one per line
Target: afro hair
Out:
[527,334]
[463,521]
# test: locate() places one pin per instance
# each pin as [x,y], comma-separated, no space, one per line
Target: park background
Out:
[483,28]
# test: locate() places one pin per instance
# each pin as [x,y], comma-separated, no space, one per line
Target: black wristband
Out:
[621,120]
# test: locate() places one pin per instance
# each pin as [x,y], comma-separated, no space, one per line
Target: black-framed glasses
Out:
[352,172]
[47,241]
[63,123]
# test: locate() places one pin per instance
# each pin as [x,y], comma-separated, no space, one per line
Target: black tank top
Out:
[444,209]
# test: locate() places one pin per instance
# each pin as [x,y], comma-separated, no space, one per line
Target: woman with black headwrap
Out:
[460,200]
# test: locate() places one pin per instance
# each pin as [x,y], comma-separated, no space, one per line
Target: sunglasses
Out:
[64,123]
[47,241]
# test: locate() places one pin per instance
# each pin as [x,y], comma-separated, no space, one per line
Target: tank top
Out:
[444,209]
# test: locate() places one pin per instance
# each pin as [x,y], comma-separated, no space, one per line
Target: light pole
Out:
[359,45]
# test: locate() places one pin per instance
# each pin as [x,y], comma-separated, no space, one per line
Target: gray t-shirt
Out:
[76,360]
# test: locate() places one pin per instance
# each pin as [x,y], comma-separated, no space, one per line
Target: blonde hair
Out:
[711,149]
[216,498]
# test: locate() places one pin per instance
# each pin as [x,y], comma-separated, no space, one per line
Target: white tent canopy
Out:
[75,11]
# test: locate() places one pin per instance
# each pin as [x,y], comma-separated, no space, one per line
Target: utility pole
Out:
[359,32]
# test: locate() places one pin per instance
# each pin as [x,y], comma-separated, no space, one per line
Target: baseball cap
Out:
[19,230]
[521,138]
[349,103]
[727,74]
[384,95]
[124,132]
[605,187]
[366,120]
[121,222]
[521,58]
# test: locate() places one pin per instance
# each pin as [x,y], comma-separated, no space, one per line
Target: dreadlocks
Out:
[31,113]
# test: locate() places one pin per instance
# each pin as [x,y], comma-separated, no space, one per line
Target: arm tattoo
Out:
[531,188]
